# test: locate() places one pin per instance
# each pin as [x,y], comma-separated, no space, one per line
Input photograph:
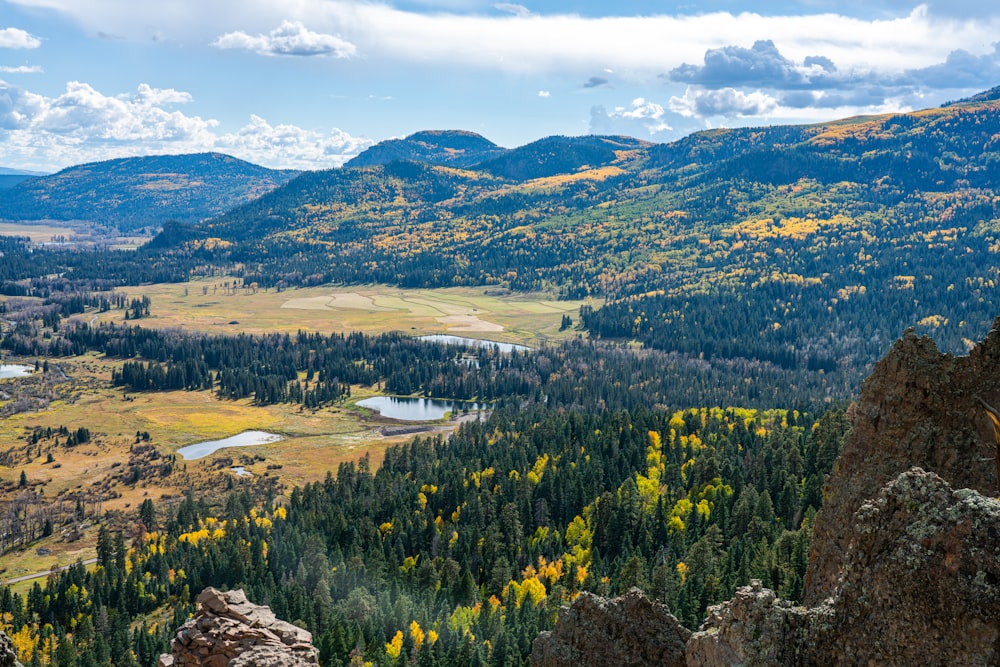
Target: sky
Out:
[307,84]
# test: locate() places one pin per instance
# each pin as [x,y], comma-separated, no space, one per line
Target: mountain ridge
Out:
[145,191]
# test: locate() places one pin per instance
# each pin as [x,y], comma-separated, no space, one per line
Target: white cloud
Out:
[544,93]
[724,102]
[642,118]
[733,107]
[297,147]
[83,125]
[632,46]
[22,69]
[291,38]
[516,10]
[15,38]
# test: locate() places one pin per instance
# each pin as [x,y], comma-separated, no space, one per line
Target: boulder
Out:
[231,631]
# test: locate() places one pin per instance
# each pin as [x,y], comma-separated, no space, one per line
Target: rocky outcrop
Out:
[756,628]
[8,656]
[627,630]
[230,631]
[920,585]
[903,568]
[921,581]
[918,408]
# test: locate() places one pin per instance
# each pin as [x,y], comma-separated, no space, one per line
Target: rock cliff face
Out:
[920,585]
[8,656]
[230,631]
[918,408]
[904,569]
[628,630]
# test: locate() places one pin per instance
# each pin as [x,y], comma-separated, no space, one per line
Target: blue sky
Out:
[310,83]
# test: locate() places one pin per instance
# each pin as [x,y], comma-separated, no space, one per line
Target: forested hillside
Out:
[133,193]
[807,247]
[458,552]
[761,270]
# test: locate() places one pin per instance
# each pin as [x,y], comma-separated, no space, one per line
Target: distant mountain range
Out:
[454,148]
[133,193]
[11,177]
[837,230]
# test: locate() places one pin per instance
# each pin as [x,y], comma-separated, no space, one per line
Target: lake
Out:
[245,439]
[415,409]
[15,371]
[446,339]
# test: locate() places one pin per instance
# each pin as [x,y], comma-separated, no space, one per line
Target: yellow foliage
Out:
[530,588]
[417,633]
[552,572]
[463,618]
[24,643]
[682,569]
[409,563]
[395,646]
[429,489]
[703,509]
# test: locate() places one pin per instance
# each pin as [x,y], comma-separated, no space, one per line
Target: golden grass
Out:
[40,233]
[62,553]
[314,441]
[528,319]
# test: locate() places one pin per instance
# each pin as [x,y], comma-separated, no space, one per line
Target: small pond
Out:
[15,371]
[446,339]
[244,439]
[416,409]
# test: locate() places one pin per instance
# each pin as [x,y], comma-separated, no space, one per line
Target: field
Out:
[40,233]
[73,235]
[210,305]
[314,442]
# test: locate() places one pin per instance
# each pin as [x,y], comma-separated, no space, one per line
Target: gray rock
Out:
[920,585]
[918,407]
[629,630]
[230,631]
[8,656]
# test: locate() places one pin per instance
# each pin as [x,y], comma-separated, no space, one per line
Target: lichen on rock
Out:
[630,630]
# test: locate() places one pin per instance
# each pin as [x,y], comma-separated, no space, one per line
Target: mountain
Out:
[11,177]
[7,171]
[560,155]
[467,150]
[453,148]
[837,230]
[133,193]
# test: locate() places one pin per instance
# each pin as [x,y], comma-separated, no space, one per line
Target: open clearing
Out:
[40,233]
[212,306]
[314,443]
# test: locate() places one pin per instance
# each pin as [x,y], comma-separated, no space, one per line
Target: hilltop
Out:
[454,148]
[132,193]
[836,228]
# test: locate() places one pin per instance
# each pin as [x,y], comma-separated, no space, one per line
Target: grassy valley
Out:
[700,316]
